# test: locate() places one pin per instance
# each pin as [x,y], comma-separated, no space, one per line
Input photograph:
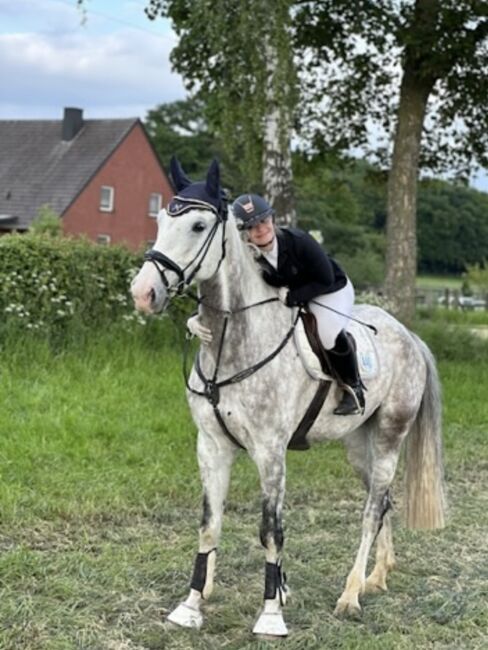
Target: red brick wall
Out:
[134,173]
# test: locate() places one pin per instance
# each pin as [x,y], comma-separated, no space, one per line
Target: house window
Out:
[106,198]
[155,202]
[104,240]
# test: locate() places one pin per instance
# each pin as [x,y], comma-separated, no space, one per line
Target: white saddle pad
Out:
[366,351]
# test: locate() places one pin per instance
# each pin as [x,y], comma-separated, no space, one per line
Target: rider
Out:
[292,258]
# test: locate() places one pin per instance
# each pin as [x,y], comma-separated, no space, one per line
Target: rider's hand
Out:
[283,295]
[195,327]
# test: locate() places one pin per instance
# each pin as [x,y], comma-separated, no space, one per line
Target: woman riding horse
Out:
[292,258]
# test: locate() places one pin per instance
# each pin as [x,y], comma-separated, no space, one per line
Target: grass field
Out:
[100,505]
[439,282]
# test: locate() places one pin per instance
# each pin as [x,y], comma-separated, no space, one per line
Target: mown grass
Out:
[100,505]
[439,281]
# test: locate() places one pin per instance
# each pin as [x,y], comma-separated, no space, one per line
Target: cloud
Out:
[115,74]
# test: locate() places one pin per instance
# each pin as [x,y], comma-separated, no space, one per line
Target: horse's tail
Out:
[424,477]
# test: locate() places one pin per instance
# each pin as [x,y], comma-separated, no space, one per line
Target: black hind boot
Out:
[344,362]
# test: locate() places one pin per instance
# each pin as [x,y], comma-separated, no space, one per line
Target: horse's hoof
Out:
[186,616]
[375,585]
[270,625]
[348,608]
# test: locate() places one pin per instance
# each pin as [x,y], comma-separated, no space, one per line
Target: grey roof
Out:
[37,167]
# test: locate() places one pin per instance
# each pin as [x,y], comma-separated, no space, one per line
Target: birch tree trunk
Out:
[277,169]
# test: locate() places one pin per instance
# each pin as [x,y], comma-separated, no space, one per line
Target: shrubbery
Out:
[49,284]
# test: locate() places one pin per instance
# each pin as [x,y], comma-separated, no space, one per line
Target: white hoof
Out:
[271,624]
[186,616]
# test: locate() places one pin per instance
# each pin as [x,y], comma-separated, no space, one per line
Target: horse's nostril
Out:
[152,295]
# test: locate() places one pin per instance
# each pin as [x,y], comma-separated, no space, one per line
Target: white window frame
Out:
[159,196]
[109,207]
[104,240]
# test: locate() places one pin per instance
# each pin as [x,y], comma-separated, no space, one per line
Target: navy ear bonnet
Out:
[204,195]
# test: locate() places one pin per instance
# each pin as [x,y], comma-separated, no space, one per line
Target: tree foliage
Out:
[352,59]
[452,227]
[181,128]
[222,54]
[47,222]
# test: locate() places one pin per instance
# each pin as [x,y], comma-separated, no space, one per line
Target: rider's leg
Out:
[344,361]
[332,312]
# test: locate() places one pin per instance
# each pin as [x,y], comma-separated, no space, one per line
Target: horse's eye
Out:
[199,226]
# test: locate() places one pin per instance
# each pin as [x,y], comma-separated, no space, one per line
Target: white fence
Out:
[451,298]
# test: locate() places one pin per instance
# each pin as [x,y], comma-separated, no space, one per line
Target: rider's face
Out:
[263,234]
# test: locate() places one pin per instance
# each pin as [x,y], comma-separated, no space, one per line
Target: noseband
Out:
[164,263]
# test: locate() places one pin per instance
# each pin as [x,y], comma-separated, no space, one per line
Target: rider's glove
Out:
[195,327]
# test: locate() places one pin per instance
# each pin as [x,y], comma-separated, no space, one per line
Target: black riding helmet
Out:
[250,209]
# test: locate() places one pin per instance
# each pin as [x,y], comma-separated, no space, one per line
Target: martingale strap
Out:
[211,390]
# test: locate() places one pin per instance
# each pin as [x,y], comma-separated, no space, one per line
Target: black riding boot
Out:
[344,362]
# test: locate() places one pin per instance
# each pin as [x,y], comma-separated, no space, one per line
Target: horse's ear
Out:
[213,179]
[180,179]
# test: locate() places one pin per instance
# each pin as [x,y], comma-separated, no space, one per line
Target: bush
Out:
[50,284]
[47,223]
[453,343]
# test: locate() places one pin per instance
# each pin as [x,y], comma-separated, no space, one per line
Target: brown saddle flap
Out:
[310,326]
[311,330]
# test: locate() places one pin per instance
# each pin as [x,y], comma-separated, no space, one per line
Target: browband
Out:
[179,205]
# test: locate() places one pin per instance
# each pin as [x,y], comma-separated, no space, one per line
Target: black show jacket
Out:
[303,266]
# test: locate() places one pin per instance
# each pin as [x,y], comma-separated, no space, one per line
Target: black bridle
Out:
[164,263]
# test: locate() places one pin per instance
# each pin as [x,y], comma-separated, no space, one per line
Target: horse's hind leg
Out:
[384,451]
[215,461]
[385,558]
[357,444]
[271,467]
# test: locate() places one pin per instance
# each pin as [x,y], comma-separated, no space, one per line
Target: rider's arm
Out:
[320,270]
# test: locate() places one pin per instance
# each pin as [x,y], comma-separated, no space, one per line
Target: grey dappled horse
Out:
[261,405]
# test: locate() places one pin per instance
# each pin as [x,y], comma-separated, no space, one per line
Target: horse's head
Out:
[190,244]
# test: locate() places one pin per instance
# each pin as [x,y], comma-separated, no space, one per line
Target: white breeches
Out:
[329,323]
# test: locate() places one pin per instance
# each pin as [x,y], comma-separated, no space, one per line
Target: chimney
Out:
[72,122]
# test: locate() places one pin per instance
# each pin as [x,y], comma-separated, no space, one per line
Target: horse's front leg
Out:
[215,460]
[271,467]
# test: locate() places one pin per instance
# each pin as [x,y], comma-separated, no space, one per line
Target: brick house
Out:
[102,177]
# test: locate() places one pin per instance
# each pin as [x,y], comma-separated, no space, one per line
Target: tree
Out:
[237,57]
[453,227]
[47,222]
[437,120]
[180,128]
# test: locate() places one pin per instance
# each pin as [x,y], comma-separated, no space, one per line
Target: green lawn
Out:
[439,282]
[100,506]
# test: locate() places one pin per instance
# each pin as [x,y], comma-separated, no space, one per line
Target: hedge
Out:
[50,283]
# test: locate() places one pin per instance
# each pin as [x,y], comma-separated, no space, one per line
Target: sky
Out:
[115,63]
